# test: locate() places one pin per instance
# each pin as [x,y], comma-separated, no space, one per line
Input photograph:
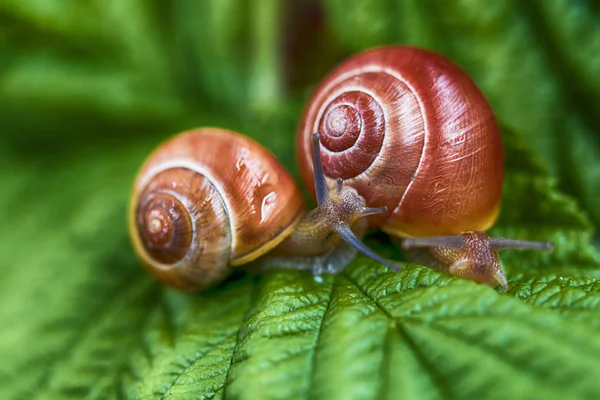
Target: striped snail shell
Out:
[206,200]
[411,131]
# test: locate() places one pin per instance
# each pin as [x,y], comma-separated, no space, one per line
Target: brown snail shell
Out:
[206,200]
[411,131]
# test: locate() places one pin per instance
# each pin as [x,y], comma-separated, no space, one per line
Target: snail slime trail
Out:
[410,131]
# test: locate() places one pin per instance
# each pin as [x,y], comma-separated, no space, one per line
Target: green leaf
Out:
[88,89]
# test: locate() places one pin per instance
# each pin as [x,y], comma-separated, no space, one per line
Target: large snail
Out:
[410,131]
[210,199]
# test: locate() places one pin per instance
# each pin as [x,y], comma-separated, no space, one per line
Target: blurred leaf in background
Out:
[88,88]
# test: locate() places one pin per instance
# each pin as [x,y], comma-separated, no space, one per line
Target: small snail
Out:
[209,199]
[410,131]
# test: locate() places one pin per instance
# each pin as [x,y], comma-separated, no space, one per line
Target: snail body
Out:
[396,137]
[411,131]
[211,199]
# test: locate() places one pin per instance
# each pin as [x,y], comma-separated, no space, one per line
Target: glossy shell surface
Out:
[207,199]
[411,131]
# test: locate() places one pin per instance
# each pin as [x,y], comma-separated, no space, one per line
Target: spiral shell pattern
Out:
[411,131]
[208,199]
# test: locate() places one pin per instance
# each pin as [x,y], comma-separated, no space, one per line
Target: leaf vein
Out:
[195,359]
[247,316]
[315,345]
[440,383]
[92,318]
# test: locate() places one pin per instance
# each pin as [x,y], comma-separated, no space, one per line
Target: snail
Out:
[411,132]
[211,199]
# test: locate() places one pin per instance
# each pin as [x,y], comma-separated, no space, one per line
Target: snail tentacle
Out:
[339,215]
[349,237]
[319,181]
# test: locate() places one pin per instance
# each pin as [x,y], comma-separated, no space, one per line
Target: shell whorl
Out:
[183,228]
[411,131]
[208,199]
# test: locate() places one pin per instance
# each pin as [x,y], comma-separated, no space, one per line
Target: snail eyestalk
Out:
[349,237]
[471,255]
[339,185]
[323,194]
[339,214]
[452,242]
[372,211]
[320,183]
[503,243]
[344,206]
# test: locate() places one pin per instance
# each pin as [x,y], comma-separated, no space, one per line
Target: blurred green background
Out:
[89,88]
